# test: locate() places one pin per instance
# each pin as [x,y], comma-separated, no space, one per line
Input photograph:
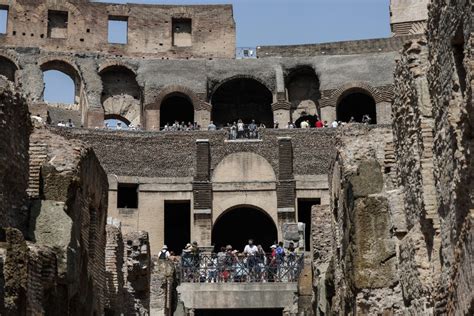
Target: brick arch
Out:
[198,104]
[65,65]
[63,6]
[351,87]
[111,64]
[217,85]
[11,57]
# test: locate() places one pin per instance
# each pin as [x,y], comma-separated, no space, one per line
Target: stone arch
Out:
[8,67]
[303,90]
[243,167]
[242,97]
[175,89]
[355,103]
[352,86]
[259,225]
[115,63]
[121,93]
[218,84]
[66,66]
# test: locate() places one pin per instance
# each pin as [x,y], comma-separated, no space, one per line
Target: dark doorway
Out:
[245,99]
[304,216]
[7,68]
[239,312]
[356,105]
[236,226]
[177,225]
[312,119]
[176,107]
[127,195]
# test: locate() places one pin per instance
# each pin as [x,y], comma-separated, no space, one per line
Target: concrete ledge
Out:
[203,211]
[285,210]
[237,295]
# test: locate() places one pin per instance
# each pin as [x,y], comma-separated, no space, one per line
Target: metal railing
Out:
[221,268]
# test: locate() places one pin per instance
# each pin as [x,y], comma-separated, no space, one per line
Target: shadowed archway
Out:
[242,98]
[236,225]
[176,107]
[356,104]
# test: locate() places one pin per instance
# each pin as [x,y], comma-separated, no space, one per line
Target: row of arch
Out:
[236,98]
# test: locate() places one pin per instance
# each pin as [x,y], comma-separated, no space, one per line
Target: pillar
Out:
[286,186]
[281,112]
[202,194]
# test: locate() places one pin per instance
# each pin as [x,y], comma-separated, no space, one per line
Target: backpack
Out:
[162,254]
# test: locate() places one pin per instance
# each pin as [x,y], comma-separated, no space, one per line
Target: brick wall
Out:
[15,128]
[149,28]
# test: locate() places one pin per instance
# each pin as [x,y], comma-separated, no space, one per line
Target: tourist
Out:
[290,125]
[304,124]
[319,124]
[70,123]
[272,265]
[262,126]
[352,120]
[240,129]
[291,262]
[228,263]
[280,258]
[61,124]
[211,126]
[164,253]
[119,125]
[326,124]
[239,267]
[187,263]
[334,124]
[250,251]
[37,118]
[253,129]
[366,119]
[233,131]
[261,263]
[221,262]
[276,124]
[212,265]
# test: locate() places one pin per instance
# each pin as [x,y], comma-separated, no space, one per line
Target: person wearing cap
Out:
[187,263]
[251,252]
[272,266]
[164,253]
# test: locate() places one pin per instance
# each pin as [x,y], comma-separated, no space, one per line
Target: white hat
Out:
[273,246]
[164,247]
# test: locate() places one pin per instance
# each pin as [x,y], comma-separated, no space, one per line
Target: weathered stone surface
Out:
[15,128]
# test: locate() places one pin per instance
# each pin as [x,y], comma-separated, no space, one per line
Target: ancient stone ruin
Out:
[378,205]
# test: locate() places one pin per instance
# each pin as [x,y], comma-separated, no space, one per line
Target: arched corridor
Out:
[176,107]
[356,105]
[236,226]
[242,98]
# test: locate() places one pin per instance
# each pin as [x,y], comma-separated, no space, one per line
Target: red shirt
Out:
[319,124]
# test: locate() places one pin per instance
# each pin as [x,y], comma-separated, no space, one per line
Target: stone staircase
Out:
[38,154]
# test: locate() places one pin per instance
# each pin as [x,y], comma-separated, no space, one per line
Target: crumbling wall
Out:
[433,135]
[15,128]
[138,268]
[163,295]
[114,265]
[69,215]
[355,264]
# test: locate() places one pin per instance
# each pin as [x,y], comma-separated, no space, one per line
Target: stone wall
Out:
[155,154]
[433,134]
[354,246]
[137,269]
[114,269]
[15,128]
[149,28]
[68,215]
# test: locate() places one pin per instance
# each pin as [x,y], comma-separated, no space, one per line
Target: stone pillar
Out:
[202,194]
[281,112]
[94,118]
[384,112]
[286,187]
[328,113]
[152,120]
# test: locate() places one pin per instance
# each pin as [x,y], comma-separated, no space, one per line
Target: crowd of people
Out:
[253,264]
[237,130]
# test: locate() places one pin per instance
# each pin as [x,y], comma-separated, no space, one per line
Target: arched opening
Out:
[354,105]
[242,98]
[62,83]
[312,119]
[121,94]
[238,224]
[113,121]
[176,107]
[8,68]
[303,92]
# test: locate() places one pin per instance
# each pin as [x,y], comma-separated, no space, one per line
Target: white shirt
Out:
[240,126]
[251,250]
[304,124]
[334,124]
